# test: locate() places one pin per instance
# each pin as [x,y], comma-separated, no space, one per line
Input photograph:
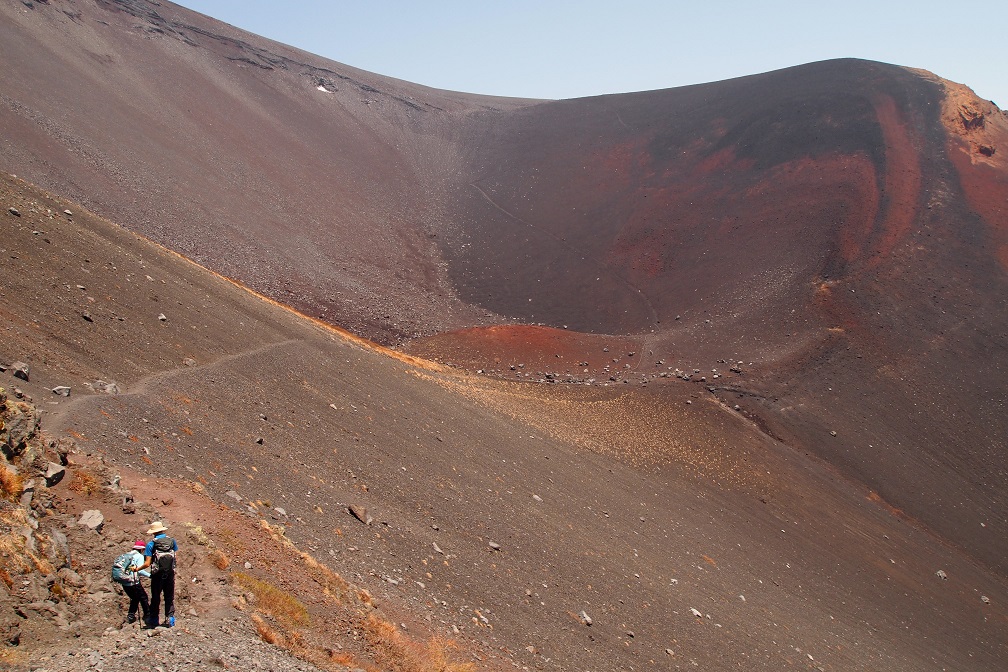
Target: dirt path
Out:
[57,417]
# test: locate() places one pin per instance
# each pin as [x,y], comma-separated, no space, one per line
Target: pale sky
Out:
[566,49]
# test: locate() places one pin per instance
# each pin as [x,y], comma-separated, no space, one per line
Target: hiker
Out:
[159,555]
[124,572]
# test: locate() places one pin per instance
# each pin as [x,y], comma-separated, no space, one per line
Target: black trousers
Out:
[138,597]
[162,583]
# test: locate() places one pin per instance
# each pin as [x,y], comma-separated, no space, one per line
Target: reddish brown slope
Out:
[628,504]
[827,223]
[820,222]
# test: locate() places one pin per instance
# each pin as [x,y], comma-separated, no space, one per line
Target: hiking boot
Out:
[169,622]
[131,618]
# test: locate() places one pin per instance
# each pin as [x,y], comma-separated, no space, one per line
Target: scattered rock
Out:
[537,498]
[360,513]
[189,361]
[585,618]
[21,427]
[104,387]
[259,440]
[61,390]
[71,578]
[59,549]
[832,433]
[437,549]
[941,574]
[27,494]
[162,317]
[21,370]
[14,211]
[279,513]
[696,613]
[494,545]
[68,213]
[233,495]
[93,519]
[985,599]
[54,474]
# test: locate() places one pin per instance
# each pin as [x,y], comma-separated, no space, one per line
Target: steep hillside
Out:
[502,511]
[306,179]
[663,349]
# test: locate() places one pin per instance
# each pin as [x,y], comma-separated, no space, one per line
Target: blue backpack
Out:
[120,568]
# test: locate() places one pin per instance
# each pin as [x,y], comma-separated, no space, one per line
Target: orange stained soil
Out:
[902,179]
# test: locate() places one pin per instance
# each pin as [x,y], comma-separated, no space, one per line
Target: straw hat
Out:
[157,527]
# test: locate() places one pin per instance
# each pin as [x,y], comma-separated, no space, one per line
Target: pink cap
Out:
[140,544]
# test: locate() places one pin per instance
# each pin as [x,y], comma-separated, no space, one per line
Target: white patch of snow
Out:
[322,88]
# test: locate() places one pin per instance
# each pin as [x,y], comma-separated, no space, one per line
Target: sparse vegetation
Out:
[333,585]
[397,652]
[15,558]
[274,601]
[265,632]
[197,534]
[83,482]
[11,484]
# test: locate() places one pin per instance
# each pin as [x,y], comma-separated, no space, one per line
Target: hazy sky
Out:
[565,49]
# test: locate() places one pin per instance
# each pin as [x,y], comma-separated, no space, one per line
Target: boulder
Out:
[21,370]
[360,513]
[54,474]
[104,387]
[93,519]
[71,578]
[27,494]
[21,427]
[61,390]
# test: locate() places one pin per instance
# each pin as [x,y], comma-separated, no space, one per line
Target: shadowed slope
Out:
[299,176]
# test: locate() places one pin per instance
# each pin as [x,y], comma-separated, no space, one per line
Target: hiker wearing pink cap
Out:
[125,573]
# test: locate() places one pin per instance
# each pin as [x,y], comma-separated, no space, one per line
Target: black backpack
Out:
[163,556]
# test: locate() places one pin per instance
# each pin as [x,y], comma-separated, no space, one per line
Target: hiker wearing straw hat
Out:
[159,555]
